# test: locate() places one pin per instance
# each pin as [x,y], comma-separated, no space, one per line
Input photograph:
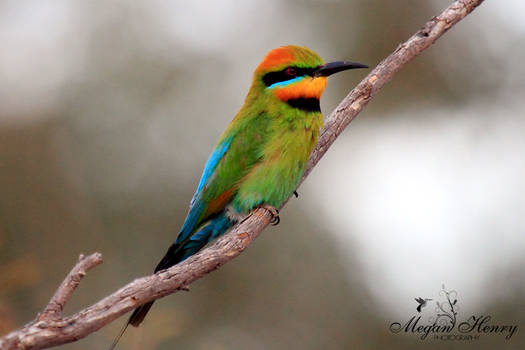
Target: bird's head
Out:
[296,75]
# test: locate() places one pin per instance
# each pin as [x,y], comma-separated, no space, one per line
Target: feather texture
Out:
[259,158]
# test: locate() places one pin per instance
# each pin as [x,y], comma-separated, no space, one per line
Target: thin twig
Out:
[55,306]
[55,331]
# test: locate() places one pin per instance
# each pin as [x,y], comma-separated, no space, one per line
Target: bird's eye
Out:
[290,71]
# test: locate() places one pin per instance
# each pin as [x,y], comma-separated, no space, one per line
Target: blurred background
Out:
[108,111]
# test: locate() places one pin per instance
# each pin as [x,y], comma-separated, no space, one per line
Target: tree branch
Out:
[53,310]
[51,329]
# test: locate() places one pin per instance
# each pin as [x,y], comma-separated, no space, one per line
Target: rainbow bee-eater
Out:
[261,156]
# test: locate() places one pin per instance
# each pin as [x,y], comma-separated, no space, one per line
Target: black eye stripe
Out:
[283,75]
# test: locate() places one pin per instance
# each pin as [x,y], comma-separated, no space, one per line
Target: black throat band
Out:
[305,104]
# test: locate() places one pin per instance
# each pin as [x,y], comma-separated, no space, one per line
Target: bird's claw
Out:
[296,194]
[275,214]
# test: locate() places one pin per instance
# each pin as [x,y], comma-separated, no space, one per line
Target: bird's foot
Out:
[275,214]
[296,194]
[275,220]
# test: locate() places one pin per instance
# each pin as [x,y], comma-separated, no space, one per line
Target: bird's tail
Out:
[178,252]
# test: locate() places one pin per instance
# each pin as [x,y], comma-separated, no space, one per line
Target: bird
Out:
[422,303]
[261,156]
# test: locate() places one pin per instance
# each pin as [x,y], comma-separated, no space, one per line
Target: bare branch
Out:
[55,306]
[50,329]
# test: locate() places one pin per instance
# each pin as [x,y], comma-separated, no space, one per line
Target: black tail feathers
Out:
[139,313]
[172,256]
[177,252]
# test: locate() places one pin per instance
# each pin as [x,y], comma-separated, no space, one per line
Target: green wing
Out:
[238,150]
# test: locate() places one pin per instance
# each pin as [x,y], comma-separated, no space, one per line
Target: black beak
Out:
[334,67]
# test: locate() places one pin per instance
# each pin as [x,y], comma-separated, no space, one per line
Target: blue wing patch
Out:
[211,164]
[197,206]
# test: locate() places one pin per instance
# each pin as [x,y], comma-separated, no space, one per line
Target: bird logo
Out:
[422,303]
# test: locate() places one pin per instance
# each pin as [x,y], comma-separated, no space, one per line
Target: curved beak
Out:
[338,66]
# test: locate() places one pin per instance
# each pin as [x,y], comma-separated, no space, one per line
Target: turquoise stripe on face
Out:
[285,83]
